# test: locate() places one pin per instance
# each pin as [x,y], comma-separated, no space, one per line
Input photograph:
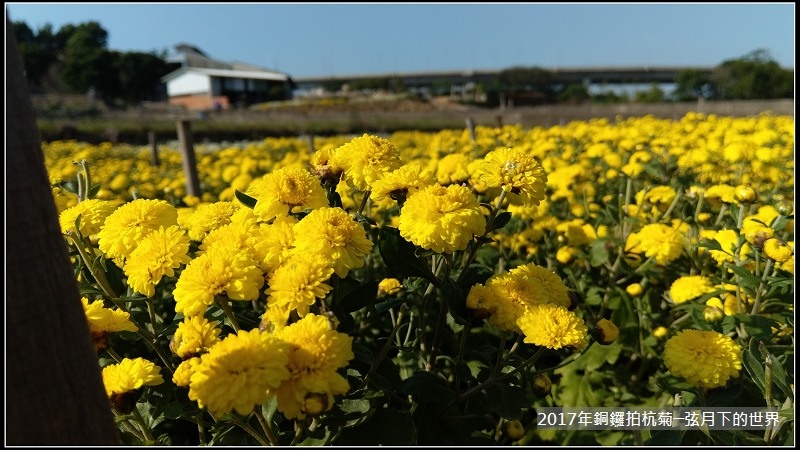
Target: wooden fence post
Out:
[310,138]
[471,128]
[189,162]
[54,387]
[151,137]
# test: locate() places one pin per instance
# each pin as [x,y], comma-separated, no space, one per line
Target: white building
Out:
[202,83]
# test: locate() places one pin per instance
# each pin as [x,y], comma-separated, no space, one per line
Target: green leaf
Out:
[475,274]
[426,387]
[711,244]
[358,298]
[456,301]
[506,400]
[399,257]
[748,280]
[499,221]
[385,427]
[245,199]
[759,327]
[752,363]
[317,437]
[598,254]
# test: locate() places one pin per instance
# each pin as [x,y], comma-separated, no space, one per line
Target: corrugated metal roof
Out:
[225,73]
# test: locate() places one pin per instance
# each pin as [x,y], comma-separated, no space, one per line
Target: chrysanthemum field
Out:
[431,289]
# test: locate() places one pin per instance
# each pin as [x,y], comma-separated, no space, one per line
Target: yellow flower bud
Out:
[315,404]
[564,255]
[713,314]
[660,332]
[605,332]
[514,429]
[745,194]
[634,290]
[784,208]
[542,385]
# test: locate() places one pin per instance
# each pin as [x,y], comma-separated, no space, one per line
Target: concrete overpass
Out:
[584,75]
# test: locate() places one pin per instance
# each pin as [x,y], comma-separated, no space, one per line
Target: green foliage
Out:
[653,95]
[428,370]
[753,76]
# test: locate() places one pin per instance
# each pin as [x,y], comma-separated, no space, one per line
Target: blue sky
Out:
[331,39]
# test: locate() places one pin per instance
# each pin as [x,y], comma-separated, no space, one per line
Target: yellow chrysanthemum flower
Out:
[273,244]
[553,326]
[183,373]
[157,256]
[389,286]
[274,318]
[365,160]
[706,359]
[125,228]
[777,250]
[508,295]
[442,219]
[208,217]
[720,194]
[757,226]
[103,321]
[286,190]
[298,283]
[194,335]
[659,196]
[662,242]
[221,270]
[453,169]
[401,183]
[93,214]
[690,287]
[129,375]
[728,241]
[332,235]
[316,353]
[515,172]
[237,372]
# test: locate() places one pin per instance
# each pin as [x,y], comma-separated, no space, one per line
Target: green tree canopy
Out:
[754,76]
[691,84]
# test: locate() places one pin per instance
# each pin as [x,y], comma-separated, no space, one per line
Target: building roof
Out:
[189,56]
[227,73]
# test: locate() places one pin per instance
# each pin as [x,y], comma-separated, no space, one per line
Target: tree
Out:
[691,84]
[755,76]
[87,63]
[574,93]
[54,389]
[138,74]
[653,95]
[531,80]
[37,50]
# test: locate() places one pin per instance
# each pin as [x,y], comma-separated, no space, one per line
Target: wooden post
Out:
[189,163]
[54,387]
[310,138]
[151,137]
[499,119]
[471,128]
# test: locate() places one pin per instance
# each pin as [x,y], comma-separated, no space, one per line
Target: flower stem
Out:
[493,380]
[246,427]
[146,431]
[266,426]
[224,303]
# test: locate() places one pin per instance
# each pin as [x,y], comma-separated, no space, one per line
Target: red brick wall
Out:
[199,102]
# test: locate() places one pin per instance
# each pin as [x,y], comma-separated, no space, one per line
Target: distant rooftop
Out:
[189,56]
